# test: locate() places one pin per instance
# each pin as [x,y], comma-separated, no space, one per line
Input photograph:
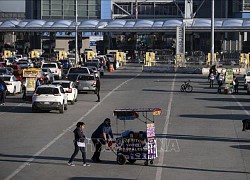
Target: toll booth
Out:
[90,55]
[31,76]
[120,58]
[7,53]
[150,59]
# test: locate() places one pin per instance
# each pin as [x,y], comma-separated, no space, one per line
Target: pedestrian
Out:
[236,84]
[211,82]
[98,86]
[3,89]
[79,143]
[38,83]
[100,137]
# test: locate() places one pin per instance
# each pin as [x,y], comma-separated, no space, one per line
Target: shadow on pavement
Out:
[201,169]
[246,147]
[229,107]
[224,99]
[216,116]
[97,178]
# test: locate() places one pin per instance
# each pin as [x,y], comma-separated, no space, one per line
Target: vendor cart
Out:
[136,145]
[30,76]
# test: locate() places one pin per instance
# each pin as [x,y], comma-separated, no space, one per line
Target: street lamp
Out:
[76,40]
[212,34]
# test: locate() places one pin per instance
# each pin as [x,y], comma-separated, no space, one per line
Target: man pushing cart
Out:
[137,145]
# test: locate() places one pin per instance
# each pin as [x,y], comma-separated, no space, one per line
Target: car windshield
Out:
[64,85]
[3,71]
[47,90]
[49,66]
[72,77]
[95,64]
[78,70]
[86,78]
[45,70]
[5,78]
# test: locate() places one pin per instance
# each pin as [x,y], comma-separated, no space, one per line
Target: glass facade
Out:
[151,9]
[66,9]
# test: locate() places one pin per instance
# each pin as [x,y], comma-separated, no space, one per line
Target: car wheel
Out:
[34,109]
[61,110]
[76,100]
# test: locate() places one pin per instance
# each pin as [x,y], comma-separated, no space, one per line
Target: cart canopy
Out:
[133,113]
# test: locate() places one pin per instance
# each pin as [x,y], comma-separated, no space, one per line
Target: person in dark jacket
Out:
[100,137]
[98,86]
[3,89]
[79,144]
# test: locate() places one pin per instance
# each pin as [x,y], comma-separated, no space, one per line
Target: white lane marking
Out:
[241,106]
[165,131]
[22,166]
[20,104]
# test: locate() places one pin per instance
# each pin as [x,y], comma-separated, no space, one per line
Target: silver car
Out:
[86,82]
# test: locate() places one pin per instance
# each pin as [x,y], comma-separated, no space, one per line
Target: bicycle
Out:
[186,87]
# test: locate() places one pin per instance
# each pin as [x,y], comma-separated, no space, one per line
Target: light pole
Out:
[212,34]
[76,40]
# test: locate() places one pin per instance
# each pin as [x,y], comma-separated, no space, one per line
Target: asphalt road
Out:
[198,134]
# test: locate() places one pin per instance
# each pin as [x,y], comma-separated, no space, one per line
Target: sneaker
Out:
[85,164]
[70,164]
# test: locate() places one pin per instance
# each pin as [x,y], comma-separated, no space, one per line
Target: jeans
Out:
[2,96]
[98,148]
[82,149]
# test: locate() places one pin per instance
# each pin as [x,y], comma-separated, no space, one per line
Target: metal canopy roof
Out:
[122,25]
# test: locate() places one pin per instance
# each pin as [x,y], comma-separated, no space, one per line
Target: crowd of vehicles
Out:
[60,81]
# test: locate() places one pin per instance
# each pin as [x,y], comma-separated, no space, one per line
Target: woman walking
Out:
[79,144]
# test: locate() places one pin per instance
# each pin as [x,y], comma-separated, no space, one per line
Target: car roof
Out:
[6,75]
[48,85]
[62,81]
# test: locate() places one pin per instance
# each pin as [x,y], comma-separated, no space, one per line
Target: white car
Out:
[49,97]
[69,89]
[54,67]
[13,85]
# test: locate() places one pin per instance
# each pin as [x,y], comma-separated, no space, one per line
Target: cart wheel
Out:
[121,159]
[151,161]
[131,161]
[146,163]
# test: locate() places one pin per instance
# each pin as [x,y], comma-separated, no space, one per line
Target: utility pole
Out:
[76,40]
[136,9]
[212,34]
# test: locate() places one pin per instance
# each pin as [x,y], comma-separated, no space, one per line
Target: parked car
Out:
[54,67]
[13,85]
[48,76]
[69,88]
[49,97]
[86,82]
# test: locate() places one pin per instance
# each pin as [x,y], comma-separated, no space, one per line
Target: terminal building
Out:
[57,10]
